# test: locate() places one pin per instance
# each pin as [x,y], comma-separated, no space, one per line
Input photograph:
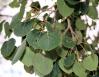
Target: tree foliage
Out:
[55,46]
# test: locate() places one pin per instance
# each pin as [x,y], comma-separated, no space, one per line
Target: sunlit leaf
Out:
[91,62]
[28,57]
[42,63]
[79,70]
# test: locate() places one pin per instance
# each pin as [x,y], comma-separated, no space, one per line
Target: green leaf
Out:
[33,38]
[1,25]
[28,15]
[91,62]
[14,4]
[79,70]
[16,20]
[28,57]
[78,38]
[80,24]
[72,2]
[61,65]
[59,26]
[52,55]
[94,2]
[64,9]
[23,28]
[92,12]
[19,52]
[68,42]
[40,63]
[12,54]
[44,7]
[29,69]
[8,47]
[82,8]
[56,72]
[7,29]
[35,5]
[49,41]
[69,60]
[61,52]
[38,73]
[49,26]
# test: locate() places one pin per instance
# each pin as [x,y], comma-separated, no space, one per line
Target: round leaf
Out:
[42,64]
[56,71]
[28,57]
[91,62]
[69,61]
[49,41]
[61,52]
[64,10]
[68,42]
[61,65]
[79,70]
[80,25]
[8,47]
[23,28]
[33,38]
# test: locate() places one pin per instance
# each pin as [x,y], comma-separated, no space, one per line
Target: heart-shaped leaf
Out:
[91,62]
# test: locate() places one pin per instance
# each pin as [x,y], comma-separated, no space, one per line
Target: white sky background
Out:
[6,66]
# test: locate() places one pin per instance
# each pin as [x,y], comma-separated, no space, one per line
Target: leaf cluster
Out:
[55,46]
